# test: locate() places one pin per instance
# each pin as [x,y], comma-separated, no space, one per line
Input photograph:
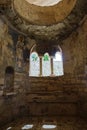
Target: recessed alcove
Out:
[9,79]
[9,70]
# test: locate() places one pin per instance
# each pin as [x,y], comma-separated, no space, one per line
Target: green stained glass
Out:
[46,65]
[34,57]
[34,64]
[46,57]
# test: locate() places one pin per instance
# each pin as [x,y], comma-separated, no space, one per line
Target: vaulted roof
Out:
[51,23]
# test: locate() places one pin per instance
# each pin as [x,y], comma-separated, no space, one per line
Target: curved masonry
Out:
[44,15]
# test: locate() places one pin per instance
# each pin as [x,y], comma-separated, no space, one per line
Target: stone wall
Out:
[75,51]
[52,96]
[6,48]
[43,97]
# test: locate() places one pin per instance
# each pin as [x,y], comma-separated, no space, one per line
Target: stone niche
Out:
[9,79]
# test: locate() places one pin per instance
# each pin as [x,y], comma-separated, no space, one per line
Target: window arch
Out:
[34,64]
[46,65]
[58,64]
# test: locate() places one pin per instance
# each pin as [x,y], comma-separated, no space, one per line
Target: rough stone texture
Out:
[4,2]
[52,96]
[6,48]
[61,123]
[44,15]
[67,94]
[54,32]
[75,51]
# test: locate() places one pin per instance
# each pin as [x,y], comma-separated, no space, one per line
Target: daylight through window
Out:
[46,65]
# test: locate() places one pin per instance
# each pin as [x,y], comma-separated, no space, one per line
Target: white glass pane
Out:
[58,56]
[58,64]
[46,65]
[34,65]
[57,68]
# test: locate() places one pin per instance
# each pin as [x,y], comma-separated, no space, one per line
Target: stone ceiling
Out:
[54,32]
[44,16]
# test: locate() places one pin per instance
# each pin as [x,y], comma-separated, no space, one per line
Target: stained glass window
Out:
[34,64]
[46,65]
[58,64]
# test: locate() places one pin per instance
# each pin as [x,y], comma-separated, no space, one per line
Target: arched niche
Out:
[9,79]
[9,70]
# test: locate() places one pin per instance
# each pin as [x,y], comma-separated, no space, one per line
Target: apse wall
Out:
[73,48]
[75,51]
[67,94]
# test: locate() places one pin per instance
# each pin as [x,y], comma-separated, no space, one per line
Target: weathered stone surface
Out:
[75,51]
[60,122]
[6,48]
[44,15]
[48,96]
[54,32]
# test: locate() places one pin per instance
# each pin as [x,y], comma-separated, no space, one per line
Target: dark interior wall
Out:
[8,42]
[75,51]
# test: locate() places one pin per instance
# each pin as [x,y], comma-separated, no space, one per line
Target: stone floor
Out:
[61,123]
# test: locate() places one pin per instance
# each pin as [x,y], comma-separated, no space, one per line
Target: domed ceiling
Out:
[44,13]
[51,20]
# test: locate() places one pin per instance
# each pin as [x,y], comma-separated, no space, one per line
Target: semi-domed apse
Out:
[41,12]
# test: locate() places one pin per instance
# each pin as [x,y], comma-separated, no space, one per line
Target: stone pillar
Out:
[51,65]
[40,66]
[9,79]
[28,66]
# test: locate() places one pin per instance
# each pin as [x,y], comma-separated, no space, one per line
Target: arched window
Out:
[34,64]
[46,65]
[58,64]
